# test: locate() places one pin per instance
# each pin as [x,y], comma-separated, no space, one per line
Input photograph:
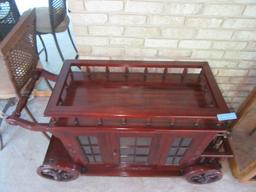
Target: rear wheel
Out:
[200,174]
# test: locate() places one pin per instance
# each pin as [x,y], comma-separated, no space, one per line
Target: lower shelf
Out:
[131,171]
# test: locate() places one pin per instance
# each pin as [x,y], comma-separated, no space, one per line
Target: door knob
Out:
[115,153]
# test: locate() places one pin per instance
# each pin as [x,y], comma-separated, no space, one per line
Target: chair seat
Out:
[43,24]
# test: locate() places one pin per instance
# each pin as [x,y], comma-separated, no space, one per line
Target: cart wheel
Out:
[57,174]
[202,174]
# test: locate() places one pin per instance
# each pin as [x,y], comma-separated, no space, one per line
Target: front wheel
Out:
[57,174]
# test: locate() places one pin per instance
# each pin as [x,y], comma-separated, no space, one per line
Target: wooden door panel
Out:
[180,149]
[135,148]
[172,148]
[96,148]
[198,145]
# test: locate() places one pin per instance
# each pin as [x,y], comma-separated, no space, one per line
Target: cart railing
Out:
[174,122]
[163,71]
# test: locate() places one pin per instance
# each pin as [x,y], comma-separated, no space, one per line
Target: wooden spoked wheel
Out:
[202,174]
[57,174]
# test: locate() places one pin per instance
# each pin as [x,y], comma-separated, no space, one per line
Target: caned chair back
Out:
[58,12]
[19,51]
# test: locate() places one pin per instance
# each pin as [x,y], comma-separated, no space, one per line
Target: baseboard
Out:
[42,93]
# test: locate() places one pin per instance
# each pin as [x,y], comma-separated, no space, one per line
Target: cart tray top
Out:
[135,89]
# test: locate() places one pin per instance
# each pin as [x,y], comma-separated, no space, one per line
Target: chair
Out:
[9,16]
[53,19]
[18,52]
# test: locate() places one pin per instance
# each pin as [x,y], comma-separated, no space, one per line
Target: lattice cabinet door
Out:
[181,149]
[170,148]
[96,148]
[135,148]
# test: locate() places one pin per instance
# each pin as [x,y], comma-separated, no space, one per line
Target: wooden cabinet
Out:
[148,149]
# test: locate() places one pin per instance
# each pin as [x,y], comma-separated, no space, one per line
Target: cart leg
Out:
[57,164]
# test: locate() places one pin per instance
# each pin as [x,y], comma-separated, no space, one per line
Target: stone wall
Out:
[222,32]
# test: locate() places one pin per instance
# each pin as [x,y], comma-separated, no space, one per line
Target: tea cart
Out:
[134,118]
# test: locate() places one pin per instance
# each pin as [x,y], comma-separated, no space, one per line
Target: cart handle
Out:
[15,119]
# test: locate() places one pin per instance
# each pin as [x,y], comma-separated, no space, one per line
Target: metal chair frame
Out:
[9,16]
[58,12]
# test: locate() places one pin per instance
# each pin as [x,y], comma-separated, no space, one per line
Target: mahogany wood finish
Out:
[134,118]
[59,167]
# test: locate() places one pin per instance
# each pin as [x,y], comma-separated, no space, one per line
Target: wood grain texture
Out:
[109,102]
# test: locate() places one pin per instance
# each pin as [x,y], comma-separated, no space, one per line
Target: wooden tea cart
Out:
[134,118]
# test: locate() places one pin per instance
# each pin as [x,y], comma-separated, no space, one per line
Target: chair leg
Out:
[58,46]
[9,103]
[71,39]
[46,135]
[48,84]
[1,142]
[30,114]
[44,48]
